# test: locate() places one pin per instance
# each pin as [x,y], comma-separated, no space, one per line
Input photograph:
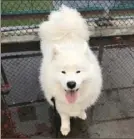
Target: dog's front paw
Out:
[65,130]
[83,115]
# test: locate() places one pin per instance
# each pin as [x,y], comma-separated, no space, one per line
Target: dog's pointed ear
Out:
[55,51]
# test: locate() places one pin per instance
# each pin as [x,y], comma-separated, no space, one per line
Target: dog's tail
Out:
[66,23]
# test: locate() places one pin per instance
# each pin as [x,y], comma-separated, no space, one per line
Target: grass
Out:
[25,6]
[24,22]
[10,7]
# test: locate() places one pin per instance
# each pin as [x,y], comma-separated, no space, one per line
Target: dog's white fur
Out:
[64,45]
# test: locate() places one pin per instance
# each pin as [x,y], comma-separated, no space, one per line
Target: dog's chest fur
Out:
[73,110]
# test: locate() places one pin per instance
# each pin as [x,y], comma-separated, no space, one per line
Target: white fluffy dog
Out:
[69,72]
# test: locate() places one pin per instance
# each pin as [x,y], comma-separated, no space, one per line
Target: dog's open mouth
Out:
[71,95]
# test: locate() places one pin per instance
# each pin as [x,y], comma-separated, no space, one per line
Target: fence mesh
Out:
[22,17]
[22,71]
[118,68]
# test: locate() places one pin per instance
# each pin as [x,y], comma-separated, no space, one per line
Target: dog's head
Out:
[72,69]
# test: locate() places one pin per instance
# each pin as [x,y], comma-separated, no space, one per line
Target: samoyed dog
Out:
[70,71]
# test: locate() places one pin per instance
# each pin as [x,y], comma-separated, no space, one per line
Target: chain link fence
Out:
[22,71]
[21,17]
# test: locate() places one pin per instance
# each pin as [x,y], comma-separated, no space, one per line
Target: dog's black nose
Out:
[71,84]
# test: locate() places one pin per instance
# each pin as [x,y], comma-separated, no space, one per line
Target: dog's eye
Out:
[63,72]
[78,71]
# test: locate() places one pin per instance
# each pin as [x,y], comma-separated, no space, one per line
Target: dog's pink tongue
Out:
[71,97]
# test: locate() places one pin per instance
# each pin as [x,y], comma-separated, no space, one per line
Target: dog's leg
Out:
[65,124]
[83,115]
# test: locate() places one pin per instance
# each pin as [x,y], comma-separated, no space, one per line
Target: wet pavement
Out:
[111,117]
